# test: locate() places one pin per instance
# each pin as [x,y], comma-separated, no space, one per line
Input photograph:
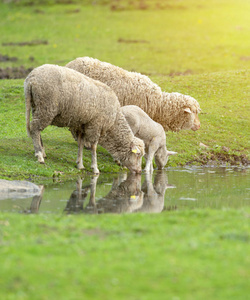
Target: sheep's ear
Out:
[171,153]
[188,110]
[135,150]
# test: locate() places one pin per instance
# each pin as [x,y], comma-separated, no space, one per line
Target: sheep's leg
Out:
[43,149]
[91,137]
[149,161]
[79,154]
[36,138]
[94,159]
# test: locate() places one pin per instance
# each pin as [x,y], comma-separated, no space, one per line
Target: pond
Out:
[165,190]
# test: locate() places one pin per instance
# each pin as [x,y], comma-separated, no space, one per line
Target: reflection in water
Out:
[35,203]
[154,193]
[126,195]
[196,187]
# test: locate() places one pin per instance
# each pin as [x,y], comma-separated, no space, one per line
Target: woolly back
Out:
[131,88]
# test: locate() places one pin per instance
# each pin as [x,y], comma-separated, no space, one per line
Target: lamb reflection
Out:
[126,195]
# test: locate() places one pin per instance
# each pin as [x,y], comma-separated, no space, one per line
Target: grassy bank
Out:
[207,43]
[173,255]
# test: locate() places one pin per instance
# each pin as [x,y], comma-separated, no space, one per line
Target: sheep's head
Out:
[180,112]
[133,158]
[161,157]
[191,119]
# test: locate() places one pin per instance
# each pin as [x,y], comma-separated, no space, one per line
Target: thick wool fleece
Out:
[134,88]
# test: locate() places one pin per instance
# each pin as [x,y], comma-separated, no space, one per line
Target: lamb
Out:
[151,133]
[63,97]
[174,111]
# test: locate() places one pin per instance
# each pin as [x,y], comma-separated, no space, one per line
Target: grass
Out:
[207,42]
[189,255]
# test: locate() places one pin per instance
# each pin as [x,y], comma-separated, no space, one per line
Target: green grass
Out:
[208,41]
[189,255]
[206,37]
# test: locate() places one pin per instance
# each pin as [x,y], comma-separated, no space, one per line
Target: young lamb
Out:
[151,133]
[174,111]
[65,98]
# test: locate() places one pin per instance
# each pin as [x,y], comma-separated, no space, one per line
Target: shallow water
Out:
[171,189]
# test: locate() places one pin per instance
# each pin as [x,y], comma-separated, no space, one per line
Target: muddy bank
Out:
[221,158]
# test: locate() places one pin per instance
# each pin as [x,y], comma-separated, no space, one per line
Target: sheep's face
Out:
[161,157]
[191,119]
[133,159]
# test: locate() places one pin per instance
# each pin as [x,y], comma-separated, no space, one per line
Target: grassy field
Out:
[206,42]
[198,254]
[199,48]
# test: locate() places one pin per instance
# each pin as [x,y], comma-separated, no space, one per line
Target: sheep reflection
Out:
[127,195]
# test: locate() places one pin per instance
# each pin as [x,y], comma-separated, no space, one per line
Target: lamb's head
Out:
[161,157]
[182,112]
[133,159]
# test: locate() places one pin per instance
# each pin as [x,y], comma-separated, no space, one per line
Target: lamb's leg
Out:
[94,159]
[152,148]
[79,154]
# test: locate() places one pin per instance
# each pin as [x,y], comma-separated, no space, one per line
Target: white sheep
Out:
[90,109]
[152,133]
[174,111]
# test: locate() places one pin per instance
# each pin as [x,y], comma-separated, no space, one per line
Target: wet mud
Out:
[221,158]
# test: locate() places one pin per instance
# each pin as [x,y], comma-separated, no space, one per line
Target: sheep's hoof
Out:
[39,156]
[96,171]
[80,167]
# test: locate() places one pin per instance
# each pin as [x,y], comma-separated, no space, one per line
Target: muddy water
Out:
[171,189]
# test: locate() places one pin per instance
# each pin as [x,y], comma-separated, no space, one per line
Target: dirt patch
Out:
[121,40]
[118,5]
[176,73]
[221,158]
[245,58]
[14,73]
[4,58]
[73,11]
[31,43]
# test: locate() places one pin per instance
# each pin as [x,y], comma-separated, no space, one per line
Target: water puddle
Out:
[171,189]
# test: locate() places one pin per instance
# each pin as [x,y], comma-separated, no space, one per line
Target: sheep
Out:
[63,97]
[174,111]
[151,133]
